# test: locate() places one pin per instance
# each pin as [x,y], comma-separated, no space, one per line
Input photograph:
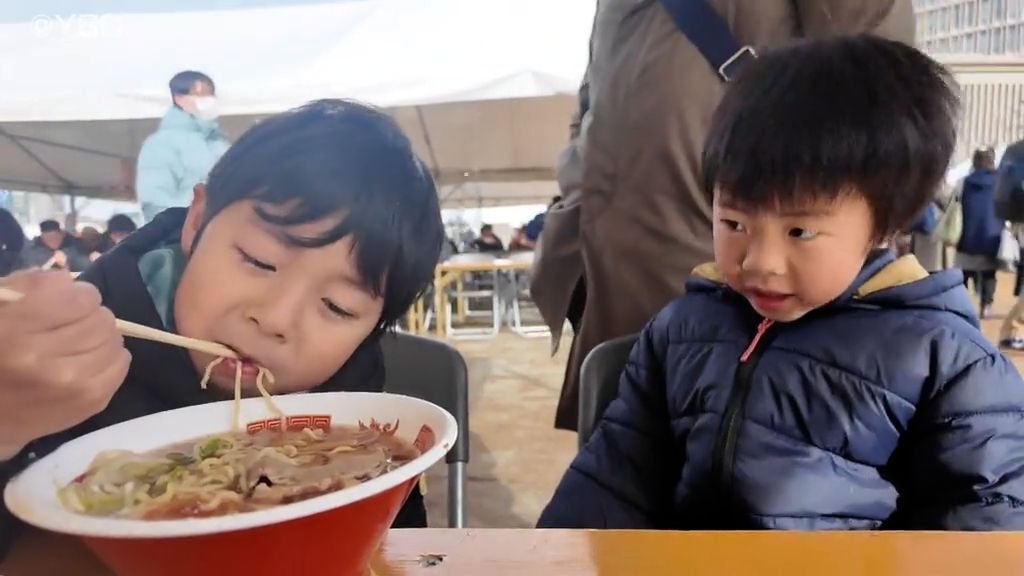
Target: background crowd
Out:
[57,248]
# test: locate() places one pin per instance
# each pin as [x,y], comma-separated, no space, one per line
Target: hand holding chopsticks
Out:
[146,333]
[62,358]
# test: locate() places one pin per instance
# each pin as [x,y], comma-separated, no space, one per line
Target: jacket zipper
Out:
[725,443]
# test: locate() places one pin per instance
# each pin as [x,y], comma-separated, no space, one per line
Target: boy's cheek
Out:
[196,303]
[729,260]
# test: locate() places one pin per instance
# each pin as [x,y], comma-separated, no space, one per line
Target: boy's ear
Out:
[194,219]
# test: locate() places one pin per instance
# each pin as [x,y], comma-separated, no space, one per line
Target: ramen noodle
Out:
[261,375]
[234,473]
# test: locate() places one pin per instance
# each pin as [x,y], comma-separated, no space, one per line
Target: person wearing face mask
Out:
[186,145]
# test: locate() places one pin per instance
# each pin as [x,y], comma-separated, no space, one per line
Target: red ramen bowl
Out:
[333,534]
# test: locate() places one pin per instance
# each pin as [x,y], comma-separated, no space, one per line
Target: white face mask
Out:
[206,107]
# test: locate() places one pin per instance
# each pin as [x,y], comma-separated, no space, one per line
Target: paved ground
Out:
[517,457]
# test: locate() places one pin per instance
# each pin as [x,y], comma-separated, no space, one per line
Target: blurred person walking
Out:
[982,229]
[184,148]
[1009,196]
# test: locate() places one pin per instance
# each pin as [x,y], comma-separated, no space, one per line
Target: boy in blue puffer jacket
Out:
[809,379]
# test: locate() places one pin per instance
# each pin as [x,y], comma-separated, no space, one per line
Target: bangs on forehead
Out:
[365,217]
[788,200]
[823,119]
[796,149]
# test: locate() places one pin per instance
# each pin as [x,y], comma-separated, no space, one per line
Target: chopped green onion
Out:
[209,450]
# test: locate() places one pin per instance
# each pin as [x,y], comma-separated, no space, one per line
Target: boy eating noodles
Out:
[314,234]
[809,380]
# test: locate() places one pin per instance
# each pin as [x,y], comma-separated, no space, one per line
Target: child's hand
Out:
[61,357]
[58,260]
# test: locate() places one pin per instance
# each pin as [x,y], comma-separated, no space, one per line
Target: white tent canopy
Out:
[484,88]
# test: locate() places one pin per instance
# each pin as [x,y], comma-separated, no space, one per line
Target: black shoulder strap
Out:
[710,34]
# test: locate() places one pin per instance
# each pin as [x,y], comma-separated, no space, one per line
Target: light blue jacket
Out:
[175,158]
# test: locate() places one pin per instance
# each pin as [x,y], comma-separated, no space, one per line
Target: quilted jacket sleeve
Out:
[158,171]
[624,477]
[965,453]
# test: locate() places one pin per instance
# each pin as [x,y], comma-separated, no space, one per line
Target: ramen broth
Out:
[233,473]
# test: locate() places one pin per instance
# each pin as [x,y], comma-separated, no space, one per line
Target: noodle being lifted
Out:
[231,473]
[262,374]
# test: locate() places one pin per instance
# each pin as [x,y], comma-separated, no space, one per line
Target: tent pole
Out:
[71,225]
[71,147]
[430,144]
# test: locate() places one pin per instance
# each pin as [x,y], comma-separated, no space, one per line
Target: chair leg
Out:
[457,495]
[531,331]
[462,305]
[498,312]
[427,317]
[517,317]
[448,321]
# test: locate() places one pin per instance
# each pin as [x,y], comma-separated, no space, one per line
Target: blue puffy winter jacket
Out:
[884,409]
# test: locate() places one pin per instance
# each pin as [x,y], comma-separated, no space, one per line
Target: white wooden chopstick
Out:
[146,333]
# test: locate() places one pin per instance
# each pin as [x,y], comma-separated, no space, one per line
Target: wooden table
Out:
[605,553]
[447,273]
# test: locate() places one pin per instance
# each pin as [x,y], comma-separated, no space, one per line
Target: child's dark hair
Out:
[984,159]
[822,118]
[182,82]
[338,158]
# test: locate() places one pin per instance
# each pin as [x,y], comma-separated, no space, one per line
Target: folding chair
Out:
[435,372]
[479,290]
[521,295]
[599,382]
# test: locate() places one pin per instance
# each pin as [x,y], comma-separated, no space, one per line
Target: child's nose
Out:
[276,315]
[765,259]
[268,327]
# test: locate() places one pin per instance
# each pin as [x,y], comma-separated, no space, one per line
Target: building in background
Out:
[992,101]
[991,27]
[982,44]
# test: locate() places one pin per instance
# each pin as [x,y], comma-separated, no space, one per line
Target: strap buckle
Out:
[741,55]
